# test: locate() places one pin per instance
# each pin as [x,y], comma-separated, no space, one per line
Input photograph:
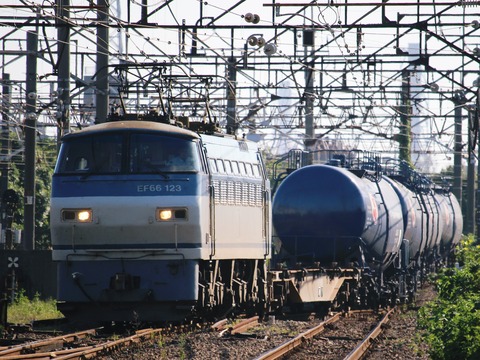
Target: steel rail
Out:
[297,340]
[109,345]
[363,347]
[219,325]
[19,349]
[46,355]
[244,325]
[84,352]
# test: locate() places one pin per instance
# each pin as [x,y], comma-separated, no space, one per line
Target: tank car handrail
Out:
[275,166]
[296,159]
[387,218]
[408,176]
[277,181]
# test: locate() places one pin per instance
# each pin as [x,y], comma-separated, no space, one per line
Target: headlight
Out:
[165,214]
[84,215]
[77,215]
[168,214]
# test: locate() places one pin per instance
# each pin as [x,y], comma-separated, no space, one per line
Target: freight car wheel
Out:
[322,310]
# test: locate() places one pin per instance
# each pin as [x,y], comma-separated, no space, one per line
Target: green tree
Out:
[452,321]
[45,163]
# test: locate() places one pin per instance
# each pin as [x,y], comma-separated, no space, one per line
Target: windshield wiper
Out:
[156,170]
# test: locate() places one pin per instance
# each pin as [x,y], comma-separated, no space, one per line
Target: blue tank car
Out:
[414,219]
[329,214]
[358,228]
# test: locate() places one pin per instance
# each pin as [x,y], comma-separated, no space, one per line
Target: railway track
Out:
[81,345]
[74,346]
[343,336]
[328,340]
[39,348]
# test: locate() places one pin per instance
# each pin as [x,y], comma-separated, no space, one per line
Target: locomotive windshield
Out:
[152,153]
[131,153]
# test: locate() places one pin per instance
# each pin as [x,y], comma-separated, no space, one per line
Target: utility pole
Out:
[30,139]
[101,76]
[405,136]
[476,120]
[309,95]
[470,195]
[232,96]
[63,56]
[5,146]
[457,156]
[309,100]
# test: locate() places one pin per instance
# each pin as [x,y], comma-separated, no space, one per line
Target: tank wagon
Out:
[152,222]
[359,231]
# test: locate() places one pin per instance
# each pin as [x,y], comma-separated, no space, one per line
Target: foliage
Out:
[23,310]
[46,157]
[45,163]
[183,346]
[452,322]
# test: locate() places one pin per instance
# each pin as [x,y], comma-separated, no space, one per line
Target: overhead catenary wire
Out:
[142,52]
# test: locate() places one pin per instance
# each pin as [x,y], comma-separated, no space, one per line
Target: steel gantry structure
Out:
[390,76]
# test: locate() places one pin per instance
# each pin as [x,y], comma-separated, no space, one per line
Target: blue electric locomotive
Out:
[141,222]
